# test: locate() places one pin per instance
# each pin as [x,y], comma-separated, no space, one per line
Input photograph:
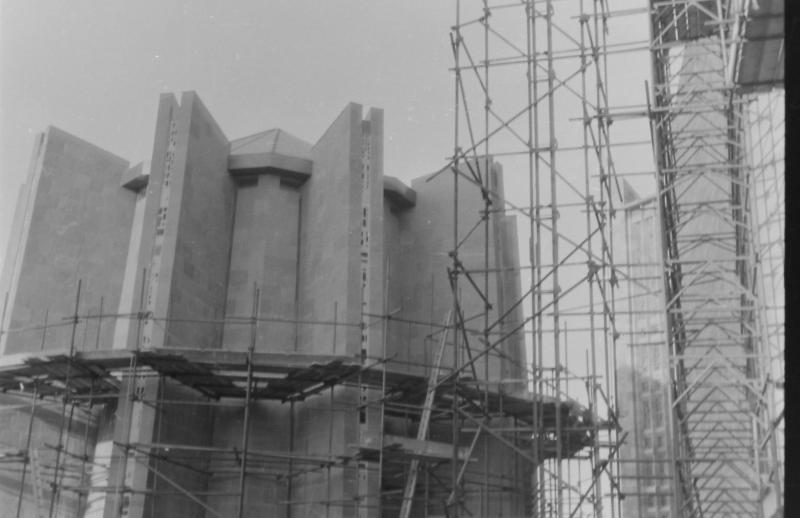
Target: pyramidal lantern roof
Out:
[274,140]
[273,151]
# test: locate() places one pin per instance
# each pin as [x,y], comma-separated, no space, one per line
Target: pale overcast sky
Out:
[95,68]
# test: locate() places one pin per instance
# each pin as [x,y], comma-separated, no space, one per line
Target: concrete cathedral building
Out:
[303,262]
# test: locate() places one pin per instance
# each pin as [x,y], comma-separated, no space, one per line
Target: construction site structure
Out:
[696,399]
[258,327]
[714,64]
[530,90]
[265,326]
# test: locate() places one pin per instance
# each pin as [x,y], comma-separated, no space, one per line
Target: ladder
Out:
[424,422]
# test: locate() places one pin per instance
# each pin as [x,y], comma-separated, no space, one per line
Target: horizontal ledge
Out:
[265,163]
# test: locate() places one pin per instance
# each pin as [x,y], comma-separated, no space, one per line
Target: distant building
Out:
[642,375]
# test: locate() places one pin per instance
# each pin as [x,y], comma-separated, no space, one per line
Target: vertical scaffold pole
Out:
[486,187]
[130,396]
[534,223]
[3,318]
[64,401]
[26,459]
[248,393]
[454,275]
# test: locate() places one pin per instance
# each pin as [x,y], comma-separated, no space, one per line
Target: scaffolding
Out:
[717,158]
[702,313]
[556,418]
[63,477]
[531,90]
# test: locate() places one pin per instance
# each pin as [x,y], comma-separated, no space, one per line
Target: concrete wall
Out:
[192,281]
[307,249]
[264,252]
[393,266]
[508,292]
[187,254]
[18,237]
[508,475]
[372,305]
[184,257]
[267,483]
[327,425]
[371,170]
[143,295]
[131,299]
[341,279]
[204,195]
[147,266]
[77,438]
[420,294]
[186,425]
[76,227]
[11,254]
[420,287]
[329,240]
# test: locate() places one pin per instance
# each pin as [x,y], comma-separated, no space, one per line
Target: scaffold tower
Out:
[715,173]
[531,92]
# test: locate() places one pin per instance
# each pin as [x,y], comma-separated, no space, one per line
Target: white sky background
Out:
[96,68]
